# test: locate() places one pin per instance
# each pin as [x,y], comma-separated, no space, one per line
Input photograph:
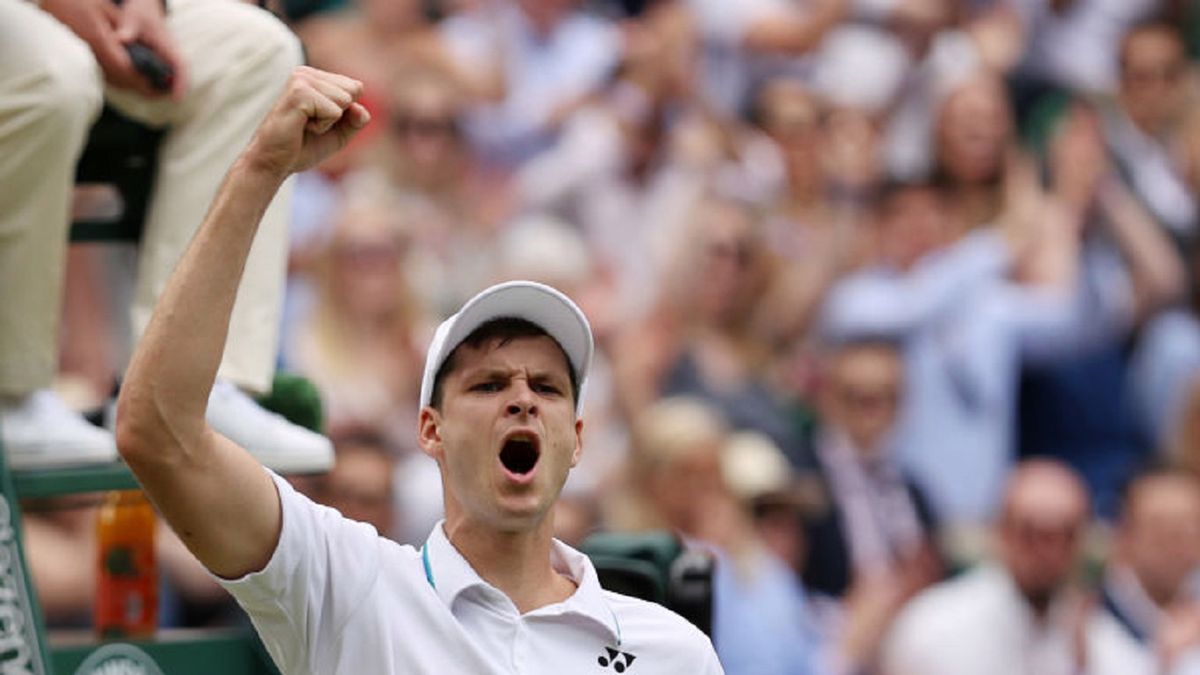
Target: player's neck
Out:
[516,563]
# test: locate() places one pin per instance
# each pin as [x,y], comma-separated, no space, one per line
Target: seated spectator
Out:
[455,207]
[815,223]
[760,621]
[1149,588]
[1017,614]
[709,336]
[876,523]
[360,341]
[1145,128]
[360,485]
[761,478]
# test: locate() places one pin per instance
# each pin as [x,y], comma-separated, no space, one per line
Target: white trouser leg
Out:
[239,58]
[50,94]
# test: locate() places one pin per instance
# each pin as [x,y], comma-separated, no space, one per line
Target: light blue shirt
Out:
[761,624]
[541,73]
[964,330]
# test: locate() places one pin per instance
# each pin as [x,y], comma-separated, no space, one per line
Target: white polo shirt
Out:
[338,598]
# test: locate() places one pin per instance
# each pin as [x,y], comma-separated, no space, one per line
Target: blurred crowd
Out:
[895,302]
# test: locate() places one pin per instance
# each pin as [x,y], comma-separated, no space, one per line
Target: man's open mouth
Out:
[520,453]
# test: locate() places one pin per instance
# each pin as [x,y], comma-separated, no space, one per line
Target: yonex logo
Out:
[620,661]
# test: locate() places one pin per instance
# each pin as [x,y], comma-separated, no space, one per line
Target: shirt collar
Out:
[451,575]
[1129,598]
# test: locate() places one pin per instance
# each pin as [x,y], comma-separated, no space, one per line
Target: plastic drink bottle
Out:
[126,570]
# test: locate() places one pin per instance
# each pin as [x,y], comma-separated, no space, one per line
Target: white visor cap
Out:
[539,304]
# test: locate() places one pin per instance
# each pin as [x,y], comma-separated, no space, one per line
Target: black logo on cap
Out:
[620,661]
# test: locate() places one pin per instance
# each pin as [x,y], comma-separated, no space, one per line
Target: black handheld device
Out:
[153,67]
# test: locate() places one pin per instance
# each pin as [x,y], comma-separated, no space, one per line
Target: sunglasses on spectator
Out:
[738,251]
[866,398]
[425,125]
[1033,531]
[1168,73]
[367,254]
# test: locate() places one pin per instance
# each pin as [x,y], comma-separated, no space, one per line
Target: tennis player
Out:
[490,591]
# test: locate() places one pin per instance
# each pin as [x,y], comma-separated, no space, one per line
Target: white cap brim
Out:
[536,303]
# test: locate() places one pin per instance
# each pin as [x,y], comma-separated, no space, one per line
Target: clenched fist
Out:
[316,116]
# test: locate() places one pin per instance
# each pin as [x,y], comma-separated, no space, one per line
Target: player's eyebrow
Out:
[549,375]
[487,372]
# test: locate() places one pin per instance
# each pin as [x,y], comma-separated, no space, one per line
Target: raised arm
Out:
[213,493]
[793,32]
[892,306]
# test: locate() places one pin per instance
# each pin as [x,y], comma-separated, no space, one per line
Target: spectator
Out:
[360,341]
[877,523]
[1145,129]
[550,54]
[1071,42]
[870,538]
[765,484]
[454,205]
[814,224]
[972,309]
[1149,588]
[614,171]
[1017,615]
[926,286]
[360,486]
[760,625]
[710,337]
[1076,406]
[1152,132]
[974,153]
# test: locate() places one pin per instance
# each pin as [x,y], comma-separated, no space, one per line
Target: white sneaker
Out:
[276,442]
[39,431]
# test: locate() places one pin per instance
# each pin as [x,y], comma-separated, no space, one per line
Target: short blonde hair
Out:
[674,428]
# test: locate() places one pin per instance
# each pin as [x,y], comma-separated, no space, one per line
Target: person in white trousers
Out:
[59,61]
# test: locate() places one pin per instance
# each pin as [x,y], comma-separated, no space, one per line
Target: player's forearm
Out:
[165,393]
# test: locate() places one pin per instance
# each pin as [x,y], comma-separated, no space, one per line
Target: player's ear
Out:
[429,432]
[578,453]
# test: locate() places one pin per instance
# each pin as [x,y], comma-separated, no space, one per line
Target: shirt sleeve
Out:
[1053,323]
[322,567]
[712,665]
[589,149]
[878,305]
